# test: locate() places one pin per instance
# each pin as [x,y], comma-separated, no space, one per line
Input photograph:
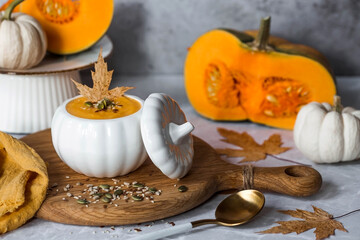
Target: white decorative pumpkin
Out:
[22,40]
[327,134]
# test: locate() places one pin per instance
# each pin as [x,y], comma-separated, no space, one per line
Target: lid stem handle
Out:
[178,132]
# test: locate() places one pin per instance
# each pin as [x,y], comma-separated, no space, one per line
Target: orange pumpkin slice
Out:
[71,26]
[233,75]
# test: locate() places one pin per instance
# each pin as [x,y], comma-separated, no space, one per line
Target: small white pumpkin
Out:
[22,40]
[327,134]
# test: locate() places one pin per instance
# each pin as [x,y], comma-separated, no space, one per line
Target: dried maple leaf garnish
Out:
[251,150]
[101,79]
[323,222]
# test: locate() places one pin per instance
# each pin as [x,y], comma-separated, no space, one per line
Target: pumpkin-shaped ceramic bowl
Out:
[99,148]
[114,147]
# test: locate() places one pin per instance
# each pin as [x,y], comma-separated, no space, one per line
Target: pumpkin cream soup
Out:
[103,109]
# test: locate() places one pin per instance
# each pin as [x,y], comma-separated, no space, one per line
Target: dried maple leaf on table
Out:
[251,150]
[101,79]
[323,222]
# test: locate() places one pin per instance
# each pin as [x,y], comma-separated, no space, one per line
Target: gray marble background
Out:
[151,36]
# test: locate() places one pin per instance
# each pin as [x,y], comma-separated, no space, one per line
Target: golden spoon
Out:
[236,209]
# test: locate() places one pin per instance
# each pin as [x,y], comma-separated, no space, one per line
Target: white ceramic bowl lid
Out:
[167,135]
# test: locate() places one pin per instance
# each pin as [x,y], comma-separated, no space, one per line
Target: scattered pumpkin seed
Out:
[104,186]
[98,194]
[108,195]
[152,190]
[82,201]
[118,192]
[138,185]
[105,199]
[182,188]
[137,197]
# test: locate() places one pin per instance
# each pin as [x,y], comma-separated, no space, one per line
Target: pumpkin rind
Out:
[71,26]
[271,85]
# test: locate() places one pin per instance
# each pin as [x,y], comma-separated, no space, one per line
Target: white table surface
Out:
[339,194]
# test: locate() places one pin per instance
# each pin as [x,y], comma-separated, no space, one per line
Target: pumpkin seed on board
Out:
[82,201]
[137,197]
[182,188]
[152,190]
[105,199]
[108,195]
[138,185]
[104,186]
[118,192]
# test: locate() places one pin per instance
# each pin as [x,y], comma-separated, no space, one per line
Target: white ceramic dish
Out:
[99,148]
[114,147]
[31,96]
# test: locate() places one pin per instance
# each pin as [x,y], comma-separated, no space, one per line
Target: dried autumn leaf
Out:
[251,150]
[322,221]
[101,79]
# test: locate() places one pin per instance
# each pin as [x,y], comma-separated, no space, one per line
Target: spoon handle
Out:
[165,232]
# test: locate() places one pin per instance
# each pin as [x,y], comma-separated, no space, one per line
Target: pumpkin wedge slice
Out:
[233,76]
[71,26]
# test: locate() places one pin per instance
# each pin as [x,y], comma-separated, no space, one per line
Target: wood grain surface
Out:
[208,175]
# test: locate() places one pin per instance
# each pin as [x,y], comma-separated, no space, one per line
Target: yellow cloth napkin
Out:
[23,182]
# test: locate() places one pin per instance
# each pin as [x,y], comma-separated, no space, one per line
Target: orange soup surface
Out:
[124,106]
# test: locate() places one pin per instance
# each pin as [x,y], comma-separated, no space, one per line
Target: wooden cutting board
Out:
[208,175]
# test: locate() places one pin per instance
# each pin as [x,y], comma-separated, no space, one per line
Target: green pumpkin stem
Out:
[337,104]
[261,40]
[10,9]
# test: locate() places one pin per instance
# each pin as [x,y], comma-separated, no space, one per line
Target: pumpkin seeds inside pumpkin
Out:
[272,99]
[269,113]
[182,188]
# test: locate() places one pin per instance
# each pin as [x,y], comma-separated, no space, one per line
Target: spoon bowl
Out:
[239,208]
[236,209]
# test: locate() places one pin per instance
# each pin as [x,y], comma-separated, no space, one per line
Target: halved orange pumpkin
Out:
[232,75]
[71,25]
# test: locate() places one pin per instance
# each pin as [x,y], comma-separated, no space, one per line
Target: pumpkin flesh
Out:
[71,26]
[267,87]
